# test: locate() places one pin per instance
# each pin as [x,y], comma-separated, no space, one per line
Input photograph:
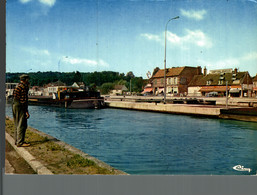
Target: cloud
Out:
[25,1]
[191,38]
[250,56]
[193,14]
[151,37]
[49,3]
[35,51]
[222,64]
[254,1]
[86,62]
[246,61]
[197,38]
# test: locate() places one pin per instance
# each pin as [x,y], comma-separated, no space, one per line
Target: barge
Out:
[74,99]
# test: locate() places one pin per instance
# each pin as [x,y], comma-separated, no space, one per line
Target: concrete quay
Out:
[214,111]
[168,108]
[232,101]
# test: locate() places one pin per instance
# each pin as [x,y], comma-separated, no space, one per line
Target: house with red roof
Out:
[177,80]
[238,84]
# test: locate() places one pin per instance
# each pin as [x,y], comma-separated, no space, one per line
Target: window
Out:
[175,80]
[183,81]
[220,82]
[208,82]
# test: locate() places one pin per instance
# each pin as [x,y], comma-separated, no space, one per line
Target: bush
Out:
[106,88]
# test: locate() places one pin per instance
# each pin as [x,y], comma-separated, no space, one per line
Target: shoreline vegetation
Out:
[59,157]
[103,81]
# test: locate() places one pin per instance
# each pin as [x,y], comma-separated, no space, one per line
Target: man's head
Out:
[24,78]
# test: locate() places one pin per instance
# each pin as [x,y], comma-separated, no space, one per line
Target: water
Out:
[153,143]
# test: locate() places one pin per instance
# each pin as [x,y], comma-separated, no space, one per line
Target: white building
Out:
[9,87]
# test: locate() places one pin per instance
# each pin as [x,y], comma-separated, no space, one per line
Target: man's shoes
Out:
[23,145]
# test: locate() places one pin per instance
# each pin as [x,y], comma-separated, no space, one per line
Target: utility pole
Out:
[177,17]
[130,86]
[226,94]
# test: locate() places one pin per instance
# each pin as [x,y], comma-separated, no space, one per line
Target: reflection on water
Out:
[153,143]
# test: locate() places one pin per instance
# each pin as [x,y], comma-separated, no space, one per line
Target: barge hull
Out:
[68,103]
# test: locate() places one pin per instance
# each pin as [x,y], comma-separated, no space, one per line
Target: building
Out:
[238,84]
[9,87]
[177,80]
[36,91]
[148,89]
[80,85]
[52,88]
[119,89]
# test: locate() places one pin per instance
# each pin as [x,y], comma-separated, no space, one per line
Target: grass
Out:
[78,160]
[55,157]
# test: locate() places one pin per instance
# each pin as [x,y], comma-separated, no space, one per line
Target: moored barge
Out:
[70,99]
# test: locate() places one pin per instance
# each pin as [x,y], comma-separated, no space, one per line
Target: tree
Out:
[137,84]
[121,82]
[130,75]
[96,78]
[106,88]
[77,77]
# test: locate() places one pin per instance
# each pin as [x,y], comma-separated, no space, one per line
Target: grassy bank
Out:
[56,157]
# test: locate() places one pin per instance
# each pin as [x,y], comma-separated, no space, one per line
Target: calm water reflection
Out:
[153,143]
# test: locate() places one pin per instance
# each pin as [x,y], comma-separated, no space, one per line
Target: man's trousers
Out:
[20,122]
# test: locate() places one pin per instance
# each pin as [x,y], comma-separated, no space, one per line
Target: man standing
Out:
[20,110]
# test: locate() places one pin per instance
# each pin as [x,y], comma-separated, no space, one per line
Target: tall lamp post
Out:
[60,62]
[58,91]
[59,67]
[177,17]
[28,70]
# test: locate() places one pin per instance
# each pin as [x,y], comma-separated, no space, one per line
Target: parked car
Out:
[212,94]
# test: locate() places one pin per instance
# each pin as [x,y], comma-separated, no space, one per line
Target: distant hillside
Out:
[93,78]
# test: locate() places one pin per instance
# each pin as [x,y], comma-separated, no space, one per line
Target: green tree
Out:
[106,88]
[121,82]
[77,77]
[130,75]
[138,84]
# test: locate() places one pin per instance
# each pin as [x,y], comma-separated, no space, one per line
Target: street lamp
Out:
[28,70]
[60,62]
[177,17]
[59,66]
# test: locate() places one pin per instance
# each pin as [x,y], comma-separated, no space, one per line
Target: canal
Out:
[146,143]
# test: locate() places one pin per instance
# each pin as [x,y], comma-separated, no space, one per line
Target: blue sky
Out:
[128,35]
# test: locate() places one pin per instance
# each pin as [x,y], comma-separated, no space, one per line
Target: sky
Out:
[129,35]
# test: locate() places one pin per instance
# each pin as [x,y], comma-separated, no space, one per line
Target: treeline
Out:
[104,81]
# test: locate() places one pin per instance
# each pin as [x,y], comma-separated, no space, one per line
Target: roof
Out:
[57,83]
[175,71]
[147,90]
[201,80]
[159,74]
[255,79]
[120,87]
[213,88]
